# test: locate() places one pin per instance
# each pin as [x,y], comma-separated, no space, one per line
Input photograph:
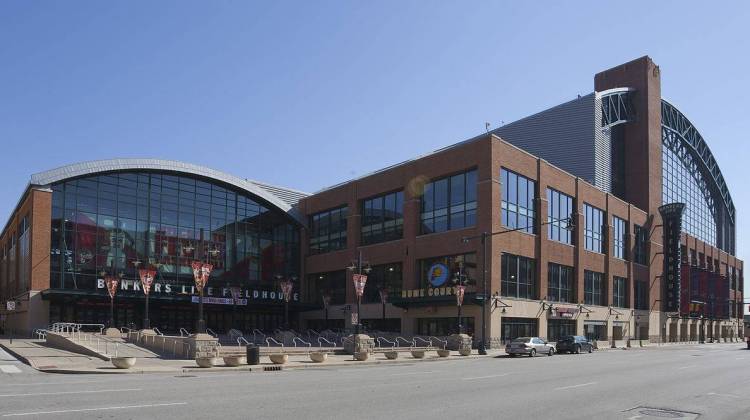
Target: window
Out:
[559,209]
[328,230]
[519,327]
[620,230]
[518,276]
[331,284]
[386,276]
[593,284]
[640,251]
[518,201]
[450,203]
[441,271]
[557,328]
[593,231]
[560,283]
[383,218]
[444,326]
[620,292]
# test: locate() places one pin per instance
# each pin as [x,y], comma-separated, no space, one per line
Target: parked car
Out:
[574,344]
[530,346]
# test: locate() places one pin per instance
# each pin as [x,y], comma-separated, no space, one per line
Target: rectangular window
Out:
[518,276]
[331,285]
[557,328]
[519,327]
[328,230]
[385,276]
[560,283]
[559,211]
[593,284]
[620,292]
[449,203]
[620,230]
[594,226]
[640,251]
[383,218]
[517,203]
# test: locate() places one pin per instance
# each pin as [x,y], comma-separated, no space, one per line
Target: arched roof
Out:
[676,122]
[282,198]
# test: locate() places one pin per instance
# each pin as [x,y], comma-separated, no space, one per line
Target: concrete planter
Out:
[443,353]
[279,358]
[417,354]
[207,362]
[318,357]
[464,352]
[123,362]
[391,355]
[234,361]
[361,356]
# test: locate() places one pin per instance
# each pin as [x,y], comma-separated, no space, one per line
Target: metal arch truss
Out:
[673,142]
[675,126]
[616,107]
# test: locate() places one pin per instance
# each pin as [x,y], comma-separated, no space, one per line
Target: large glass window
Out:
[620,292]
[641,294]
[620,230]
[560,283]
[593,231]
[441,271]
[331,285]
[519,327]
[518,201]
[385,276]
[328,230]
[593,288]
[559,210]
[123,221]
[444,326]
[557,328]
[383,218]
[450,203]
[518,276]
[640,250]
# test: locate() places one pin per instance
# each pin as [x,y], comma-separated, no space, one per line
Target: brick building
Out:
[558,223]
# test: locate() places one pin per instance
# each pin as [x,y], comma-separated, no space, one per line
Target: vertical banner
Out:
[671,215]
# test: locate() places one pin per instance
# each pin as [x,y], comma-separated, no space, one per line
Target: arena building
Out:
[605,216]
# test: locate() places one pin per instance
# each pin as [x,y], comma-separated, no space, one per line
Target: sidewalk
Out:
[46,359]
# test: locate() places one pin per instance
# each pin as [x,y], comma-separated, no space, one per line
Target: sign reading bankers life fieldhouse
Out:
[671,215]
[225,292]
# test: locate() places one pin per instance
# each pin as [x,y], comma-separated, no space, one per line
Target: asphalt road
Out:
[712,381]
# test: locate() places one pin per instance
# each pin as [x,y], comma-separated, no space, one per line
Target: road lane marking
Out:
[81,410]
[723,395]
[9,369]
[96,391]
[686,367]
[416,373]
[485,377]
[574,386]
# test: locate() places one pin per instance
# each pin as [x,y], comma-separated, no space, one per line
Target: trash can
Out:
[253,354]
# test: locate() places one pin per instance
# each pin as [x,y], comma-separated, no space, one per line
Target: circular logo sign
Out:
[437,275]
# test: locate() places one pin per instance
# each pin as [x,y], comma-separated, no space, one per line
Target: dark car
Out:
[574,344]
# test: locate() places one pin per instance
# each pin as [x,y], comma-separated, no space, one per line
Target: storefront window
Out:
[332,284]
[519,327]
[595,330]
[444,326]
[557,328]
[386,276]
[518,275]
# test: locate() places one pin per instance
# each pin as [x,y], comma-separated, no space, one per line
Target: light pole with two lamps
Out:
[360,269]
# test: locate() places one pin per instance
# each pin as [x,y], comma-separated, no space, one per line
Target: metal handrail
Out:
[414,341]
[295,340]
[392,343]
[274,340]
[247,343]
[211,332]
[440,340]
[320,344]
[409,343]
[257,332]
[156,330]
[126,330]
[182,330]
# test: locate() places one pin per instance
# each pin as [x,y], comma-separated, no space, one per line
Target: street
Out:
[708,380]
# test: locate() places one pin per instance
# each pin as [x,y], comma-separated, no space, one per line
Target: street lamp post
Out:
[359,280]
[236,296]
[459,279]
[484,236]
[326,301]
[147,279]
[201,273]
[111,281]
[286,289]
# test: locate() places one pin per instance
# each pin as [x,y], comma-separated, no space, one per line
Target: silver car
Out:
[530,346]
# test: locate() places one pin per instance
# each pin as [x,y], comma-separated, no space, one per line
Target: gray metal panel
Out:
[562,135]
[282,198]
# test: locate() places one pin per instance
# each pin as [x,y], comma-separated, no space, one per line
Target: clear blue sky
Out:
[307,94]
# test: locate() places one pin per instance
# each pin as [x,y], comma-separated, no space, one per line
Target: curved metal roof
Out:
[283,198]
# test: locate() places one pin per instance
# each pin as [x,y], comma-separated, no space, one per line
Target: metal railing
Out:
[241,340]
[422,341]
[185,332]
[439,340]
[297,340]
[329,342]
[271,339]
[156,330]
[408,343]
[211,332]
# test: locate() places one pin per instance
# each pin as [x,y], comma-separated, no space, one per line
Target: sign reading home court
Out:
[671,215]
[428,292]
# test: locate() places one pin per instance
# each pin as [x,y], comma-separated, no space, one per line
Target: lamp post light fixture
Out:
[459,279]
[358,267]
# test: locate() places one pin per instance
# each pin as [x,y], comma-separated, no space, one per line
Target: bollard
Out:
[253,354]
